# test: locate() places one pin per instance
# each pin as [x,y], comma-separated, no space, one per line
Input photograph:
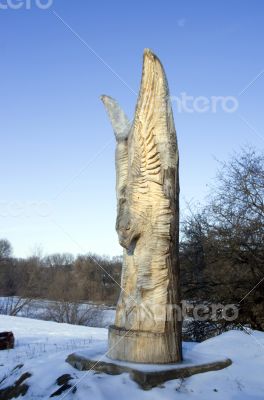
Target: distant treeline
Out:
[62,277]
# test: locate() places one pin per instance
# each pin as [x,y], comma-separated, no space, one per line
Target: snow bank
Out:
[42,348]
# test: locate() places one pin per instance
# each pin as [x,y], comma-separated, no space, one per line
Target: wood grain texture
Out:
[147,163]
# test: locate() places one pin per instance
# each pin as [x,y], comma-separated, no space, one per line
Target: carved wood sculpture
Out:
[146,328]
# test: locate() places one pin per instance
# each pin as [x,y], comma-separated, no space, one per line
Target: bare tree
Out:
[5,249]
[222,249]
[58,260]
[231,225]
[13,305]
[237,210]
[73,312]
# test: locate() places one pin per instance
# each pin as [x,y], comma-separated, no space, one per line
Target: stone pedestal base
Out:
[146,375]
[142,347]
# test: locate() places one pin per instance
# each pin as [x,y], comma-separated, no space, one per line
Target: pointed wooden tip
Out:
[148,52]
[118,118]
[150,55]
[106,99]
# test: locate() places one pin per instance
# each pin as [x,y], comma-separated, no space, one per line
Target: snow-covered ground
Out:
[42,348]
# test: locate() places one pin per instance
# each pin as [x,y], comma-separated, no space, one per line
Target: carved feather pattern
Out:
[146,164]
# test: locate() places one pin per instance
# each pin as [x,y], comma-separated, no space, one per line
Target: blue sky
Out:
[57,146]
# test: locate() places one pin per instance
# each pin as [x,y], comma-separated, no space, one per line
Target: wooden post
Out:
[148,320]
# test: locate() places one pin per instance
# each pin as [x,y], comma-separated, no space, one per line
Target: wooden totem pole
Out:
[147,327]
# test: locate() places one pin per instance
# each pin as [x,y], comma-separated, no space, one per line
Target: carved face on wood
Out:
[129,222]
[128,225]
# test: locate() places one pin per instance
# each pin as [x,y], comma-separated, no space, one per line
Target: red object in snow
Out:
[7,340]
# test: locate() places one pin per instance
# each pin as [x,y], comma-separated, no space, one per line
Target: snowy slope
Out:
[42,348]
